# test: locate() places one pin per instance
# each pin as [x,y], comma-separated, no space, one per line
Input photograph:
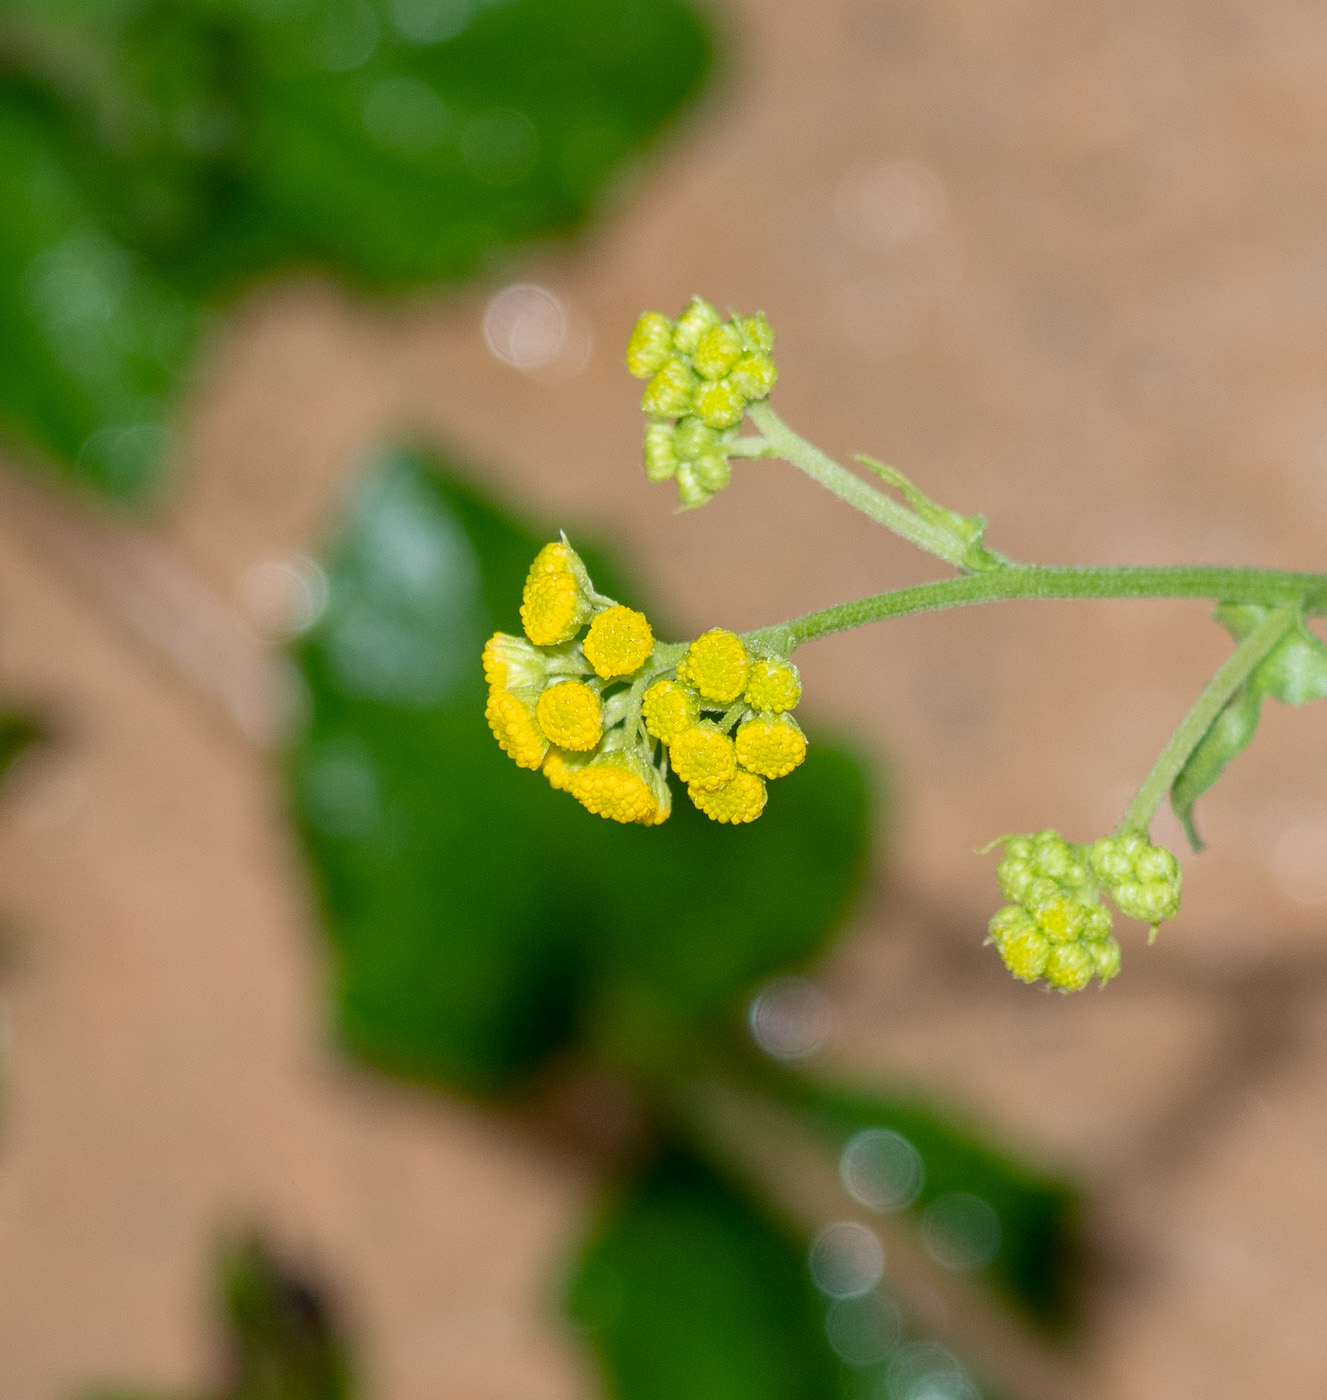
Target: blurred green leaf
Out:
[282,1341]
[17,734]
[90,345]
[480,920]
[1294,673]
[159,154]
[1033,1255]
[687,1292]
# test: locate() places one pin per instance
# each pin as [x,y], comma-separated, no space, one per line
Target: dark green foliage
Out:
[482,921]
[686,1291]
[159,154]
[1037,1262]
[282,1342]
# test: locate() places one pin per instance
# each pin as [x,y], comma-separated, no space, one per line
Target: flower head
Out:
[622,786]
[513,724]
[571,716]
[703,756]
[740,800]
[773,686]
[668,708]
[717,665]
[771,745]
[619,642]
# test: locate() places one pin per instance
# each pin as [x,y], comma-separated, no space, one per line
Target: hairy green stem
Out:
[1237,668]
[851,488]
[1269,587]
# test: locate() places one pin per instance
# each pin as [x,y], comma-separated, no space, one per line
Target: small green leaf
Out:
[686,1291]
[480,920]
[1295,673]
[1033,1253]
[967,530]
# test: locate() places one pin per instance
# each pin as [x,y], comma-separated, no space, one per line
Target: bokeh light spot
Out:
[881,1170]
[960,1231]
[845,1260]
[791,1018]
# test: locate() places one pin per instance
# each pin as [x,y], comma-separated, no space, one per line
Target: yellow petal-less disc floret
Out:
[511,663]
[554,558]
[720,404]
[718,351]
[771,745]
[741,800]
[650,345]
[513,725]
[553,609]
[619,642]
[773,686]
[571,716]
[621,787]
[668,708]
[717,665]
[703,757]
[560,768]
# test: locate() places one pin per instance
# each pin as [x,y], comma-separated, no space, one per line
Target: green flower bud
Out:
[670,392]
[660,452]
[650,345]
[692,324]
[1020,943]
[756,332]
[1112,857]
[720,404]
[753,376]
[694,439]
[1070,967]
[1148,901]
[719,350]
[713,470]
[1106,958]
[690,491]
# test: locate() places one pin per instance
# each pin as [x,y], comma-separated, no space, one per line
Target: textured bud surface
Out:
[771,745]
[559,769]
[773,686]
[718,665]
[650,345]
[553,609]
[720,404]
[753,376]
[513,725]
[719,350]
[571,716]
[511,663]
[618,787]
[552,559]
[1070,967]
[741,800]
[660,453]
[703,756]
[668,708]
[692,324]
[669,393]
[619,642]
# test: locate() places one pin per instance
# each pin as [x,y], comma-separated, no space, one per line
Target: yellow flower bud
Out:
[1020,943]
[511,663]
[554,609]
[703,756]
[689,489]
[771,745]
[720,404]
[554,558]
[713,471]
[619,642]
[513,725]
[669,394]
[756,332]
[1070,966]
[622,787]
[650,345]
[668,708]
[692,324]
[571,716]
[693,438]
[773,686]
[741,800]
[559,769]
[719,350]
[717,665]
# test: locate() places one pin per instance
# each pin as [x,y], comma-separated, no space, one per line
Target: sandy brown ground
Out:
[1064,263]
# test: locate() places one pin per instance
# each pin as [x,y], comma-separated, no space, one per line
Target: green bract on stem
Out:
[1238,667]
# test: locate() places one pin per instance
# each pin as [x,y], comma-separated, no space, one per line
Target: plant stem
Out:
[851,488]
[1237,668]
[1268,587]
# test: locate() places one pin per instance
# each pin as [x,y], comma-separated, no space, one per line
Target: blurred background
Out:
[311,330]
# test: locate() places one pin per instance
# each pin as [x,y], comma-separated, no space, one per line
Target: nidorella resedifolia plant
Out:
[591,698]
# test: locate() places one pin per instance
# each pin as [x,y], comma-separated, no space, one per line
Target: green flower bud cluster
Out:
[704,372]
[1056,929]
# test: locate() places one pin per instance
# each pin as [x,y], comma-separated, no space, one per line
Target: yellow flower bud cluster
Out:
[587,697]
[725,774]
[1056,929]
[704,372]
[548,702]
